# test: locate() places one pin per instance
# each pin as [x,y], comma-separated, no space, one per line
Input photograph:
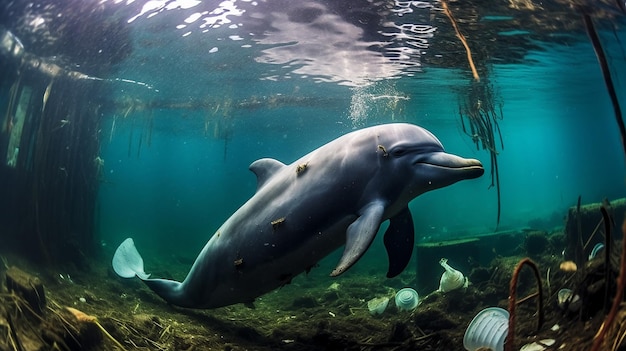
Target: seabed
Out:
[93,309]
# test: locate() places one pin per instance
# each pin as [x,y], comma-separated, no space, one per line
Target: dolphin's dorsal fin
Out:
[264,169]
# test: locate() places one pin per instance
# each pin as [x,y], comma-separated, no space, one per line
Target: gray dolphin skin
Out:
[338,194]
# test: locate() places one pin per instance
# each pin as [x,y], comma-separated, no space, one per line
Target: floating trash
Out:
[451,279]
[596,250]
[568,266]
[377,305]
[538,345]
[407,299]
[488,329]
[567,299]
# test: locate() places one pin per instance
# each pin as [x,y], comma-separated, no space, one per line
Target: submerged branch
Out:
[478,112]
[606,73]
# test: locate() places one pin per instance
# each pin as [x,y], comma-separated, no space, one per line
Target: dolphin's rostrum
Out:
[338,194]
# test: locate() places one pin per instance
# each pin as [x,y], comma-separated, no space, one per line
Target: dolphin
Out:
[338,194]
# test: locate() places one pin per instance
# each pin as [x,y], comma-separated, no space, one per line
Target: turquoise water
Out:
[558,129]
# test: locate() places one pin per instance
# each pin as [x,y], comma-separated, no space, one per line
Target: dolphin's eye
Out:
[399,151]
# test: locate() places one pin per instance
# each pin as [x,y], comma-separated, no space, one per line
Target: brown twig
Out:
[578,252]
[621,334]
[621,284]
[461,37]
[510,339]
[608,244]
[17,344]
[524,299]
[593,234]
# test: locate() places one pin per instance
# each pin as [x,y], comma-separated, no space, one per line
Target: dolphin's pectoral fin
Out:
[360,235]
[264,169]
[399,239]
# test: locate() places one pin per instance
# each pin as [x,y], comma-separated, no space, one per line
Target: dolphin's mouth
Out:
[471,172]
[468,168]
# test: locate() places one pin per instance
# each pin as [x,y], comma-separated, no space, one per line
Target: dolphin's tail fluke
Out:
[127,263]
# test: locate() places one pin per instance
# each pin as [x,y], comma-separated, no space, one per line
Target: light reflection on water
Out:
[315,40]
